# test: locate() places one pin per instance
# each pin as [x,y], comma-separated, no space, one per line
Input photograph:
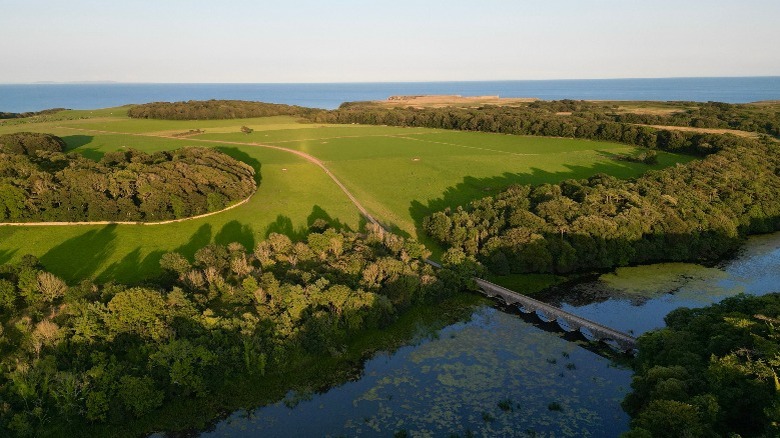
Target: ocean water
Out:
[35,97]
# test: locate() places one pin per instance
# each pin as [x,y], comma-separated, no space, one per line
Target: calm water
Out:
[498,375]
[35,97]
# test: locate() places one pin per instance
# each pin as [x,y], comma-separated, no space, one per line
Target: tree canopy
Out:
[28,143]
[710,372]
[215,109]
[40,183]
[696,211]
[76,356]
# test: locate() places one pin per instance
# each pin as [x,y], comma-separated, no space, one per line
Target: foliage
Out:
[4,115]
[693,212]
[710,372]
[214,109]
[570,118]
[40,183]
[110,354]
[30,143]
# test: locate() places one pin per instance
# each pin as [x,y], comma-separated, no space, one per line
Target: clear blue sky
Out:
[378,40]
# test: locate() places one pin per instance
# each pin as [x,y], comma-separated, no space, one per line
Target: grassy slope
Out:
[400,174]
[286,201]
[403,174]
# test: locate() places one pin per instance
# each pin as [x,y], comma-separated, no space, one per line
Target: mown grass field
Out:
[399,174]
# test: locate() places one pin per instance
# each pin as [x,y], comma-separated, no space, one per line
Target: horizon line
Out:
[110,82]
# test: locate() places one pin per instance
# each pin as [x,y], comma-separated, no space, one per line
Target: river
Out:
[501,374]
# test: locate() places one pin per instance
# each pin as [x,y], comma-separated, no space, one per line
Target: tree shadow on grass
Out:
[132,268]
[6,255]
[471,188]
[77,143]
[79,257]
[198,240]
[234,231]
[318,213]
[245,158]
[284,225]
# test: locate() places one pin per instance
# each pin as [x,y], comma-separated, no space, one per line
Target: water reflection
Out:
[495,375]
[501,375]
[635,300]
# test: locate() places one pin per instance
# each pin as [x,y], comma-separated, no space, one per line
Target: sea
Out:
[40,96]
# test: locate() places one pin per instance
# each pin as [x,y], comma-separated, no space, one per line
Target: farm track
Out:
[303,155]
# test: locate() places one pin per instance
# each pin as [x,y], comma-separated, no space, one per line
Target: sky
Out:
[235,41]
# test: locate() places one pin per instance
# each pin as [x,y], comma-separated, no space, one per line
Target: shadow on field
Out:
[284,225]
[80,257]
[245,158]
[132,267]
[477,188]
[76,143]
[201,238]
[234,231]
[6,255]
[319,214]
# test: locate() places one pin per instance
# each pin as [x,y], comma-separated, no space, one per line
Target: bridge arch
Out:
[568,321]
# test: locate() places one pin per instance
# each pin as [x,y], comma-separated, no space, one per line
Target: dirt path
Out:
[303,155]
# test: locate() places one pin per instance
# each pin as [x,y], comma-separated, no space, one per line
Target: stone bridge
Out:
[567,321]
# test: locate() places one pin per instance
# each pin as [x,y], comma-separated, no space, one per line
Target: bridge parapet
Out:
[527,304]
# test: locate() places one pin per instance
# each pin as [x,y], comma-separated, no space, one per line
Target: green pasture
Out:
[399,174]
[404,174]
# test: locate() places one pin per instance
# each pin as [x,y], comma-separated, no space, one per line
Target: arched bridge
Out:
[567,321]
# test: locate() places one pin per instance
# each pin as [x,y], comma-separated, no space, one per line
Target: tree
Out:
[50,286]
[138,311]
[139,394]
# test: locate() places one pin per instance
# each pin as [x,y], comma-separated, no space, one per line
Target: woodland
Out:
[116,358]
[40,182]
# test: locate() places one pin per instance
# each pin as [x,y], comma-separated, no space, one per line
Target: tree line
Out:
[4,115]
[215,109]
[709,372]
[699,211]
[39,182]
[568,118]
[90,355]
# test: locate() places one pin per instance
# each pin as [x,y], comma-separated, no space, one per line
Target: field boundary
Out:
[304,155]
[165,222]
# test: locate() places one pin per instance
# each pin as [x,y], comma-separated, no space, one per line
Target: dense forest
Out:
[39,182]
[694,212]
[570,118]
[93,355]
[215,109]
[698,211]
[710,372]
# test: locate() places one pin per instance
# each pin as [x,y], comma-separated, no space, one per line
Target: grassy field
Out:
[404,174]
[399,174]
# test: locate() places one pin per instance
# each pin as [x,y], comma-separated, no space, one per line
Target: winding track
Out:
[303,155]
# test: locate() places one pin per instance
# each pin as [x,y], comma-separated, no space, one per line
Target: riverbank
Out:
[496,371]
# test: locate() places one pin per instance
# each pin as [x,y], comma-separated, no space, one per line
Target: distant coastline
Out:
[70,82]
[93,95]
